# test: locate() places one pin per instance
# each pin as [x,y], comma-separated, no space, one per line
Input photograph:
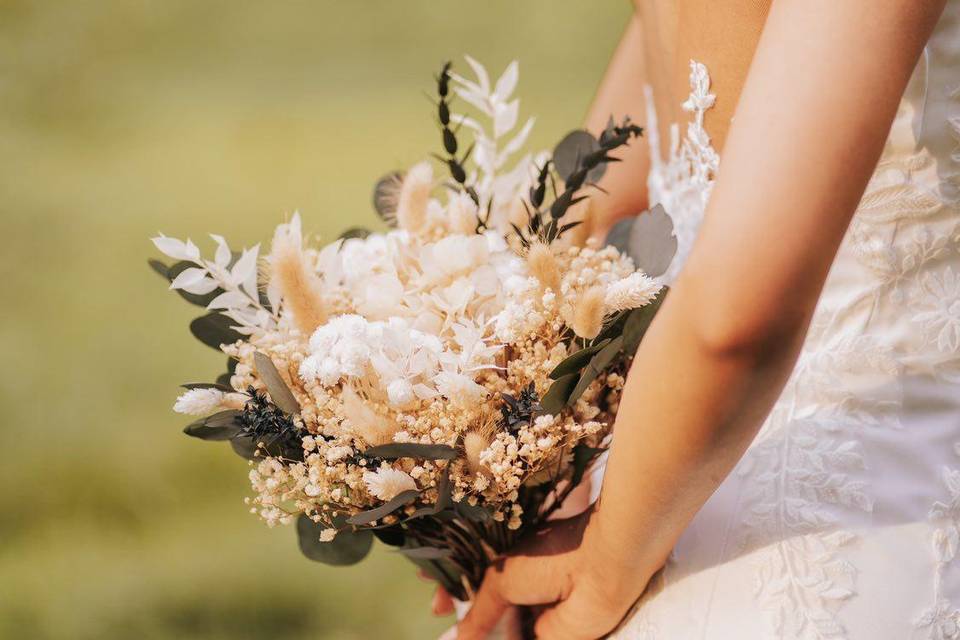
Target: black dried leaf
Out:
[214,329]
[355,232]
[279,391]
[270,427]
[208,385]
[519,411]
[349,547]
[392,536]
[401,500]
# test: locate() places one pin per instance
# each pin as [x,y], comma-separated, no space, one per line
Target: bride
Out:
[787,454]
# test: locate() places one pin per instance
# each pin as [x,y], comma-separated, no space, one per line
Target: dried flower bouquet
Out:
[442,386]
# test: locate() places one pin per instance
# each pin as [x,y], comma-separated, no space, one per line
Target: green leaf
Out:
[220,426]
[349,547]
[214,329]
[570,152]
[555,399]
[208,385]
[394,450]
[576,361]
[477,513]
[159,267]
[583,456]
[401,500]
[279,391]
[245,447]
[639,321]
[595,367]
[426,553]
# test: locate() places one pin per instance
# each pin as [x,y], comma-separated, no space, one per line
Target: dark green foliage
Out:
[279,391]
[394,450]
[595,367]
[349,547]
[648,239]
[214,329]
[220,426]
[577,361]
[368,517]
[555,399]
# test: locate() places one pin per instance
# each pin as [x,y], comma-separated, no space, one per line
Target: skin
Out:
[726,339]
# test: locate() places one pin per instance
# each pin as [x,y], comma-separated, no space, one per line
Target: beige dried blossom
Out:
[543,265]
[414,197]
[588,313]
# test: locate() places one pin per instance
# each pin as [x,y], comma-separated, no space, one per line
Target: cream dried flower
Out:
[386,483]
[327,535]
[199,402]
[636,290]
[543,265]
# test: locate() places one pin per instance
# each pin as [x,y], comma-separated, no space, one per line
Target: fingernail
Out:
[451,634]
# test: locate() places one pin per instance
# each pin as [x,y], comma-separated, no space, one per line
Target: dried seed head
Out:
[543,265]
[414,197]
[463,214]
[300,288]
[475,442]
[372,427]
[588,313]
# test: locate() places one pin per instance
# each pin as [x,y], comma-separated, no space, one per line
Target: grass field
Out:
[122,118]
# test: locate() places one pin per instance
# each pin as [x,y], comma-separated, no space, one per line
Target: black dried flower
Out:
[518,412]
[268,424]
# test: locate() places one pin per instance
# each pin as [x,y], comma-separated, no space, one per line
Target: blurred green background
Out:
[119,119]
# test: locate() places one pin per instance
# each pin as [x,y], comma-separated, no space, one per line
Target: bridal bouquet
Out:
[444,385]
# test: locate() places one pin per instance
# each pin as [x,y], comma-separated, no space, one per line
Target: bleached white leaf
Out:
[222,257]
[202,287]
[506,118]
[482,77]
[467,121]
[193,252]
[273,296]
[516,142]
[229,300]
[476,100]
[173,248]
[244,273]
[507,82]
[188,277]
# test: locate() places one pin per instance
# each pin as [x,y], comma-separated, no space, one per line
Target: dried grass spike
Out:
[414,197]
[299,286]
[588,313]
[543,265]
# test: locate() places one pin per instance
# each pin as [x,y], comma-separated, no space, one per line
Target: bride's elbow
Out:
[746,332]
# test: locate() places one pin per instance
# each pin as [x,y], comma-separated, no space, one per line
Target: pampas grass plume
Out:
[299,286]
[543,265]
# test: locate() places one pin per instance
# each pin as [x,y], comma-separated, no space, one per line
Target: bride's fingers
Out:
[485,612]
[442,602]
[576,618]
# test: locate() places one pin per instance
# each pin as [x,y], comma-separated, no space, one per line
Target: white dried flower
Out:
[636,290]
[327,535]
[199,402]
[386,483]
[414,197]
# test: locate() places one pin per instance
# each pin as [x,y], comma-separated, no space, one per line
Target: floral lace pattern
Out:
[843,474]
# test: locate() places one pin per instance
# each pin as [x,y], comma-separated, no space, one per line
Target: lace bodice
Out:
[842,521]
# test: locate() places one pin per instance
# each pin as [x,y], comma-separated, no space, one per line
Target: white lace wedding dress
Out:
[843,518]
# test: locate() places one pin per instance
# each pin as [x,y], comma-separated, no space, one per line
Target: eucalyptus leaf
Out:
[639,321]
[279,391]
[577,361]
[652,243]
[426,553]
[349,547]
[595,367]
[476,513]
[619,234]
[555,399]
[244,446]
[583,456]
[394,450]
[367,517]
[214,329]
[570,152]
[218,432]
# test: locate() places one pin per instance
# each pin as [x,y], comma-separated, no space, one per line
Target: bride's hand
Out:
[564,571]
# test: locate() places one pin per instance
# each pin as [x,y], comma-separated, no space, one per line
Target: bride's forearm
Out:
[809,129]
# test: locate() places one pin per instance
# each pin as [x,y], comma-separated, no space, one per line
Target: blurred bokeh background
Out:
[122,118]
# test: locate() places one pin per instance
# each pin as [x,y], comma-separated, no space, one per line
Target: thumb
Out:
[576,618]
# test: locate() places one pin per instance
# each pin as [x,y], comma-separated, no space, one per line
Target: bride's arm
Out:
[810,126]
